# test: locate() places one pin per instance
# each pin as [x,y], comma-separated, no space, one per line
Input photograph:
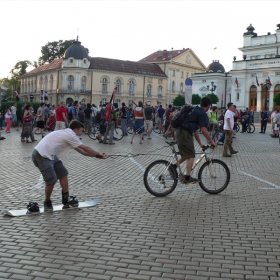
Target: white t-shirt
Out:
[229,115]
[14,110]
[57,143]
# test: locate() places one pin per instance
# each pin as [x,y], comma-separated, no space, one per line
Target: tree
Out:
[214,98]
[276,99]
[196,99]
[20,68]
[53,50]
[179,100]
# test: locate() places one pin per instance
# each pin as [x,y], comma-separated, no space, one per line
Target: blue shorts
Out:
[139,126]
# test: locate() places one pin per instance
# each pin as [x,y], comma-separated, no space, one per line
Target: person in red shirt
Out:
[61,117]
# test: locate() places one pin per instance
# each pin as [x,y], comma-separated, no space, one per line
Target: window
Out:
[104,85]
[71,60]
[119,85]
[173,86]
[181,87]
[51,83]
[84,84]
[237,96]
[104,100]
[149,90]
[41,83]
[119,103]
[203,81]
[277,88]
[70,83]
[85,61]
[46,83]
[131,87]
[187,74]
[159,92]
[182,74]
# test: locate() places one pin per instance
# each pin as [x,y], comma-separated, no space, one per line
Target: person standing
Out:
[111,126]
[46,157]
[46,113]
[139,126]
[8,115]
[88,118]
[159,118]
[1,117]
[26,125]
[228,130]
[149,115]
[75,110]
[61,116]
[264,117]
[40,124]
[14,115]
[123,115]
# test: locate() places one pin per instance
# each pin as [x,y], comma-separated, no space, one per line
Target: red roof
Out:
[162,56]
[55,64]
[108,64]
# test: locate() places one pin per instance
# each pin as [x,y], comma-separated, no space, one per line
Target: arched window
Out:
[119,85]
[84,84]
[104,100]
[277,88]
[46,83]
[173,86]
[159,92]
[149,90]
[51,82]
[104,85]
[41,83]
[131,87]
[119,103]
[70,83]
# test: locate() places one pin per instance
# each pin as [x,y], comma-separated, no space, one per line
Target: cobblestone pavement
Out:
[133,235]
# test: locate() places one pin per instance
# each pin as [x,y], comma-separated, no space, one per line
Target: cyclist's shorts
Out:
[185,143]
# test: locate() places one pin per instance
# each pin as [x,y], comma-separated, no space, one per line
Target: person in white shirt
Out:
[14,115]
[228,130]
[46,157]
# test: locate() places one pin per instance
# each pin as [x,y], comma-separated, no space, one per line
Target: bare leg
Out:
[189,166]
[64,184]
[48,191]
[141,135]
[132,137]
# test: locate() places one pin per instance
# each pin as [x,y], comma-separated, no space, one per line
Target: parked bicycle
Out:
[216,131]
[250,127]
[95,130]
[161,177]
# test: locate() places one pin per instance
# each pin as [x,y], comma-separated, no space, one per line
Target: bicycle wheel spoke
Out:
[214,176]
[159,179]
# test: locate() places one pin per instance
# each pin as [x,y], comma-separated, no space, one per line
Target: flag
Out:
[257,81]
[268,80]
[236,82]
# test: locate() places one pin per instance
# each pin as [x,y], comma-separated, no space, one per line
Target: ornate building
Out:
[77,76]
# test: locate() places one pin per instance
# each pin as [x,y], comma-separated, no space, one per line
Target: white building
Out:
[253,81]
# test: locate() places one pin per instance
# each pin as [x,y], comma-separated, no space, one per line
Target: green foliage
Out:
[196,99]
[214,98]
[276,99]
[20,68]
[53,50]
[179,100]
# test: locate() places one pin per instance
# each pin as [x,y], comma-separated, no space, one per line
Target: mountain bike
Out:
[161,177]
[250,128]
[95,130]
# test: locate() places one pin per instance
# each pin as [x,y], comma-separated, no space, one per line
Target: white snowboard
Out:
[23,212]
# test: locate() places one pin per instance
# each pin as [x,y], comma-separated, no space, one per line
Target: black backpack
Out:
[70,115]
[98,117]
[180,119]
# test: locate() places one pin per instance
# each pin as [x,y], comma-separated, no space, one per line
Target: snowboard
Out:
[23,212]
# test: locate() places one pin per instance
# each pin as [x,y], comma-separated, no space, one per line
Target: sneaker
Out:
[72,202]
[191,180]
[234,152]
[48,206]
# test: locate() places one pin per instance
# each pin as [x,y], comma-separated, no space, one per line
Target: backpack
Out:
[70,116]
[180,119]
[98,117]
[127,112]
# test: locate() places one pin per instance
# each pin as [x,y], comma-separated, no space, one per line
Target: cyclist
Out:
[213,118]
[196,119]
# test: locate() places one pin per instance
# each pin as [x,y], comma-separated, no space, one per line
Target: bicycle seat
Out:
[171,142]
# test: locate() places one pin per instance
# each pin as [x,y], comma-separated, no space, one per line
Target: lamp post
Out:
[266,87]
[213,88]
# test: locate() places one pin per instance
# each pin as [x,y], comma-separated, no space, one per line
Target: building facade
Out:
[77,76]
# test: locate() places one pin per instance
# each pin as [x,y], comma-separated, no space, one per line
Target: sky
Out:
[131,30]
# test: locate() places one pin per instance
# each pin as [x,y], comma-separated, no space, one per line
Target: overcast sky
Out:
[131,30]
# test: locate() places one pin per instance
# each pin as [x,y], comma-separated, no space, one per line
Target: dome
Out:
[215,67]
[250,31]
[76,50]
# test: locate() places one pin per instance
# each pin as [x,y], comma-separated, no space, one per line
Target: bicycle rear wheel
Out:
[118,134]
[159,179]
[94,132]
[214,176]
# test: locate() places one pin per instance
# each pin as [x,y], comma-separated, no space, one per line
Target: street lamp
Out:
[266,87]
[213,88]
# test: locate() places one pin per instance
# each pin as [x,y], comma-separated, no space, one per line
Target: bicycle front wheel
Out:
[250,128]
[159,179]
[214,176]
[118,134]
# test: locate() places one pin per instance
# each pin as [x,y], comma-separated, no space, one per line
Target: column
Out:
[259,100]
[271,95]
